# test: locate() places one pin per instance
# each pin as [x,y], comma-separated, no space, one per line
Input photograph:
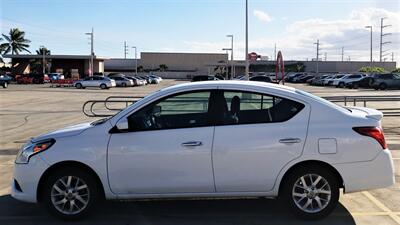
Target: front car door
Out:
[167,148]
[260,134]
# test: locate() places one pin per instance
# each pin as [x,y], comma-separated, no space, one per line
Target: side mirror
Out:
[122,124]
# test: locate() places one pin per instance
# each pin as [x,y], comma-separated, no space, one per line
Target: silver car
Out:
[123,82]
[95,81]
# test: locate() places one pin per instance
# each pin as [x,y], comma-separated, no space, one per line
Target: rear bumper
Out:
[377,173]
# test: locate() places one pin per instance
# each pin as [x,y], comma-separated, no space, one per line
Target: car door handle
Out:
[192,143]
[290,140]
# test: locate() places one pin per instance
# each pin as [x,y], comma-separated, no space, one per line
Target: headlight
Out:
[31,149]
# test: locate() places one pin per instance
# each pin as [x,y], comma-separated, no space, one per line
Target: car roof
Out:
[229,84]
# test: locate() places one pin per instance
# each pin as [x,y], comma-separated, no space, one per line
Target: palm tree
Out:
[15,42]
[42,50]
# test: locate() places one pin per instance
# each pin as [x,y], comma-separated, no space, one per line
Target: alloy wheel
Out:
[70,195]
[311,193]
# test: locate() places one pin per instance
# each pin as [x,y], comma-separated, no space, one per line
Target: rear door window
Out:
[249,107]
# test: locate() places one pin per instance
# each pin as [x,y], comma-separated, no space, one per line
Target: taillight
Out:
[374,132]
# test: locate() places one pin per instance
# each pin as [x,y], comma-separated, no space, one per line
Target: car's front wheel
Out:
[311,193]
[103,86]
[78,85]
[70,193]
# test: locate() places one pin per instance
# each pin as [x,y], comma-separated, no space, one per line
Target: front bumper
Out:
[27,177]
[377,173]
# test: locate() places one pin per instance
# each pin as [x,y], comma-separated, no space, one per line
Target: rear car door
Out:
[255,136]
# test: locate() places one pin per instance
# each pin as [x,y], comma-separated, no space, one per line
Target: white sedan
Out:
[210,139]
[95,81]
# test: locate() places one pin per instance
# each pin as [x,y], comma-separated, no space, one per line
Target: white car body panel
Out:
[233,151]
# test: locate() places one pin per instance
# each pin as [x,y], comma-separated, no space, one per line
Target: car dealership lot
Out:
[29,110]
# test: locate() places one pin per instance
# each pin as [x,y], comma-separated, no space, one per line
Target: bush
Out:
[396,70]
[372,69]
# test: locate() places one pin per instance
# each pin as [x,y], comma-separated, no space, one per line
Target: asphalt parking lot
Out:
[29,110]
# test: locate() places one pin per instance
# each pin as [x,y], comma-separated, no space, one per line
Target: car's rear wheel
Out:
[382,86]
[70,193]
[311,193]
[78,85]
[123,84]
[103,86]
[341,85]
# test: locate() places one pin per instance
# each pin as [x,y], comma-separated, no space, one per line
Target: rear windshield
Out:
[323,101]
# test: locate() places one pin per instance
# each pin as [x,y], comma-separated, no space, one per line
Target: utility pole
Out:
[125,49]
[135,60]
[231,49]
[43,58]
[342,53]
[317,58]
[274,53]
[91,52]
[392,56]
[247,44]
[370,61]
[325,56]
[381,36]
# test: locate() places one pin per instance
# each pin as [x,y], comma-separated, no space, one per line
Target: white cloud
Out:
[263,16]
[298,40]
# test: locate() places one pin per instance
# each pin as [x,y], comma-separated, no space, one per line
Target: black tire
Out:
[341,85]
[103,86]
[382,86]
[123,84]
[5,85]
[78,85]
[289,187]
[86,177]
[355,86]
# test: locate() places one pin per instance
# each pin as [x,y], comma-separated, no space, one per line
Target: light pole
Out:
[370,61]
[247,44]
[91,52]
[227,49]
[135,60]
[232,66]
[43,58]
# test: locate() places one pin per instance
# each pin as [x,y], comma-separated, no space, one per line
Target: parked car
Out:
[334,79]
[95,81]
[152,79]
[318,80]
[123,81]
[326,80]
[341,82]
[136,81]
[291,77]
[385,81]
[111,75]
[203,78]
[261,78]
[55,76]
[363,82]
[302,79]
[313,148]
[5,80]
[159,79]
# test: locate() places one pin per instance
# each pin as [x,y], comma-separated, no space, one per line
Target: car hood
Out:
[64,132]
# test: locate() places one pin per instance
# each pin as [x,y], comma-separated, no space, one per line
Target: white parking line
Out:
[382,207]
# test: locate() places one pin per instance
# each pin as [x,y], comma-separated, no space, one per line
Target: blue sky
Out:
[202,25]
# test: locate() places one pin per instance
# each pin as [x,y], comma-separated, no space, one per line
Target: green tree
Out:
[371,69]
[396,70]
[15,42]
[163,67]
[42,50]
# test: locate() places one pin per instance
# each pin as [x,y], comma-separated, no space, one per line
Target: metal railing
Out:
[112,104]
